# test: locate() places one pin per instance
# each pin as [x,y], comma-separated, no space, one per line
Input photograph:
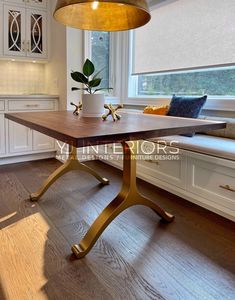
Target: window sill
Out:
[213,103]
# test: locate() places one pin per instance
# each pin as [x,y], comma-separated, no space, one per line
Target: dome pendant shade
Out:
[103,15]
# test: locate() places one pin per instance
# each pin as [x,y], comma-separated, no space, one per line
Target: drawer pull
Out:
[152,161]
[32,105]
[227,187]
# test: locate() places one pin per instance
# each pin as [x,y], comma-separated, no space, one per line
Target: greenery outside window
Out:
[100,54]
[213,82]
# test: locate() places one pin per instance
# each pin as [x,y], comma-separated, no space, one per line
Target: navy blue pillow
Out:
[186,107]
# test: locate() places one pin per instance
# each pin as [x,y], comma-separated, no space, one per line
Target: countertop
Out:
[28,96]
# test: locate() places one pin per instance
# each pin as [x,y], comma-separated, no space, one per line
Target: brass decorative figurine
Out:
[112,112]
[78,108]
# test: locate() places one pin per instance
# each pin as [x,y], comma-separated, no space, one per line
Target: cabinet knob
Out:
[28,46]
[23,48]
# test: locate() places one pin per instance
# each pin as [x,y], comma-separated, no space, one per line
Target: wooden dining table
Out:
[78,131]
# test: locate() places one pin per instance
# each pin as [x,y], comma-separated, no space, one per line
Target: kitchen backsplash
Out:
[22,78]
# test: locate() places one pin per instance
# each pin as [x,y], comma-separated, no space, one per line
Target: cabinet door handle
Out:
[152,161]
[32,105]
[227,187]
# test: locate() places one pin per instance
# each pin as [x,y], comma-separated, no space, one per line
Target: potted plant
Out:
[92,100]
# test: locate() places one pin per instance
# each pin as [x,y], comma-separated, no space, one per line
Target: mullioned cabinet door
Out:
[14,30]
[36,32]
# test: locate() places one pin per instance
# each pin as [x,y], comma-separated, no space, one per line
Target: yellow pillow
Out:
[156,110]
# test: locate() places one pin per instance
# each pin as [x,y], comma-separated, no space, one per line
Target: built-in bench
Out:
[206,171]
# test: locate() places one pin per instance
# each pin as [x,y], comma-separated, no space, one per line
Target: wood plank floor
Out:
[138,257]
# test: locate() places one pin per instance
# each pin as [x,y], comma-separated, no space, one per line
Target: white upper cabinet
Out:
[22,2]
[25,32]
[29,3]
[37,3]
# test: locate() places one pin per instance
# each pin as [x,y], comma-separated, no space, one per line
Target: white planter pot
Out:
[93,105]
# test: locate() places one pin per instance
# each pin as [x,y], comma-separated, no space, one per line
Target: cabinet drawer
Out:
[23,105]
[2,105]
[213,182]
[170,171]
[164,163]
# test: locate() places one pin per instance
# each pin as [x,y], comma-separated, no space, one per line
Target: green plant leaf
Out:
[79,89]
[103,89]
[88,68]
[95,82]
[79,77]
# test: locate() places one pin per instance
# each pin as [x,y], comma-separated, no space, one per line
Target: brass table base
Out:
[71,164]
[128,196]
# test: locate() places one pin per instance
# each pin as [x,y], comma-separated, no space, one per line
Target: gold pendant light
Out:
[103,15]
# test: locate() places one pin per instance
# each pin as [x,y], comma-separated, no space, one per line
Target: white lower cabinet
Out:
[20,138]
[19,143]
[212,181]
[2,134]
[42,141]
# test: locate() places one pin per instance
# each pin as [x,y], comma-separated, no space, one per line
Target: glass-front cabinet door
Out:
[14,31]
[36,34]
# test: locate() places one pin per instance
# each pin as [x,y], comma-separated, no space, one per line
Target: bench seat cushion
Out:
[228,132]
[205,144]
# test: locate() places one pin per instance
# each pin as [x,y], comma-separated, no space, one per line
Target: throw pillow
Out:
[156,110]
[186,107]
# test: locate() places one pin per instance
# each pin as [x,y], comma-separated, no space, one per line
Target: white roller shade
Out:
[186,34]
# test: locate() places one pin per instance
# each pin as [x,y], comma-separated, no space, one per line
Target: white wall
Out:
[75,57]
[66,55]
[56,68]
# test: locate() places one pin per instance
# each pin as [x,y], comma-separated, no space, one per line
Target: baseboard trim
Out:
[29,157]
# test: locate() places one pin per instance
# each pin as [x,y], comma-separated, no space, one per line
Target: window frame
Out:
[220,103]
[87,51]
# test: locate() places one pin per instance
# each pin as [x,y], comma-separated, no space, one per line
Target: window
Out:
[100,53]
[185,35]
[213,82]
